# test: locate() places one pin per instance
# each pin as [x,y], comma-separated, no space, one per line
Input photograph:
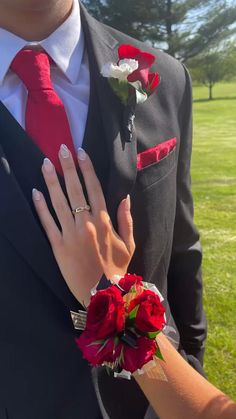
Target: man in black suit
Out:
[42,373]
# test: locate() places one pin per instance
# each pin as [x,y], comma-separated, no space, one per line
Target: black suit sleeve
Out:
[184,277]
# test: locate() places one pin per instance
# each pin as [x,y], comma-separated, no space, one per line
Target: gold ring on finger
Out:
[81,209]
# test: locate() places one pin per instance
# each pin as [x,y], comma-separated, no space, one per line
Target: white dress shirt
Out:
[70,74]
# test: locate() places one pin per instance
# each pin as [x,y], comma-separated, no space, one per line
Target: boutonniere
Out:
[131,74]
[131,80]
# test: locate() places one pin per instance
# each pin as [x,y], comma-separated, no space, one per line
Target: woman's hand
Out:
[87,245]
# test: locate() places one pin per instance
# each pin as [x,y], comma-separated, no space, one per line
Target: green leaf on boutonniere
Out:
[158,354]
[120,88]
[132,315]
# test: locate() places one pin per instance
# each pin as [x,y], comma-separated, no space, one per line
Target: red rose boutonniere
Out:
[122,324]
[131,75]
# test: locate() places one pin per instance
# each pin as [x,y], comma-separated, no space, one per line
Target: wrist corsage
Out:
[122,323]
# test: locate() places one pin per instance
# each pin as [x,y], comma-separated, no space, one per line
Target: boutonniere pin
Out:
[130,78]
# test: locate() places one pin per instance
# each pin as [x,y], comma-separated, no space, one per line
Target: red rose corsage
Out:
[122,324]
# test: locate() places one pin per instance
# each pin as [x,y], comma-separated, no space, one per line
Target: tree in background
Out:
[184,28]
[213,67]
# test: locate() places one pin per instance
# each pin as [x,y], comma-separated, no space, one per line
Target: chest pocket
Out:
[153,173]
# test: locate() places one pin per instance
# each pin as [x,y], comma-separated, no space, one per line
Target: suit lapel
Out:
[122,154]
[22,160]
[94,138]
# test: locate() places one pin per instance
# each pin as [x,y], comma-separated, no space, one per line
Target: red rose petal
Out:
[150,316]
[153,80]
[128,51]
[106,313]
[145,61]
[99,353]
[135,358]
[129,280]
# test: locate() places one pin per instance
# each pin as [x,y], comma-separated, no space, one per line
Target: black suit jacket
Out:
[42,373]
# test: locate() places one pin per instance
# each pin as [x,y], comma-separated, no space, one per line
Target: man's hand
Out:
[87,245]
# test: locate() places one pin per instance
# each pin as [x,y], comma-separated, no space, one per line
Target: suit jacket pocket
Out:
[156,153]
[156,171]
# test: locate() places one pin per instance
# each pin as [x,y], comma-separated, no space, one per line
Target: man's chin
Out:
[31,5]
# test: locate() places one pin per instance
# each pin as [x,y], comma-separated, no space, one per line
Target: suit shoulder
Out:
[172,73]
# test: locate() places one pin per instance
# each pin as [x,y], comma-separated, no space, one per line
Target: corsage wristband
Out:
[121,325]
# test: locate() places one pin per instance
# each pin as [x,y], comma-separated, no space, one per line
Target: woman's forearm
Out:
[185,393]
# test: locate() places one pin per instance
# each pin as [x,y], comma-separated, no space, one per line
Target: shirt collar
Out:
[11,45]
[65,46]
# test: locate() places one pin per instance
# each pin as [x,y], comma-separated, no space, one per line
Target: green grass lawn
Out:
[214,189]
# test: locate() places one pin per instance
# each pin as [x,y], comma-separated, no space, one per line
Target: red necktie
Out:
[45,119]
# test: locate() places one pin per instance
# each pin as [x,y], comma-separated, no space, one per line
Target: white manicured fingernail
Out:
[81,154]
[128,203]
[48,166]
[64,151]
[36,194]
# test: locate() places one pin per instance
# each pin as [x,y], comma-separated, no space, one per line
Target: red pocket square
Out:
[155,154]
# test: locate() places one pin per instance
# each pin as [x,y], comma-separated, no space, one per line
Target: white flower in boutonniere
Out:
[121,71]
[131,74]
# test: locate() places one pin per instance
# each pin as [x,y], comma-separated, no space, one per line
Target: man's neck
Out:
[34,22]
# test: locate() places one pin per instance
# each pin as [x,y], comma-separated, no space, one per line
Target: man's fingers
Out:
[125,224]
[46,219]
[94,189]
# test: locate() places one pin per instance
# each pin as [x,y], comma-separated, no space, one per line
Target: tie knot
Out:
[33,68]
